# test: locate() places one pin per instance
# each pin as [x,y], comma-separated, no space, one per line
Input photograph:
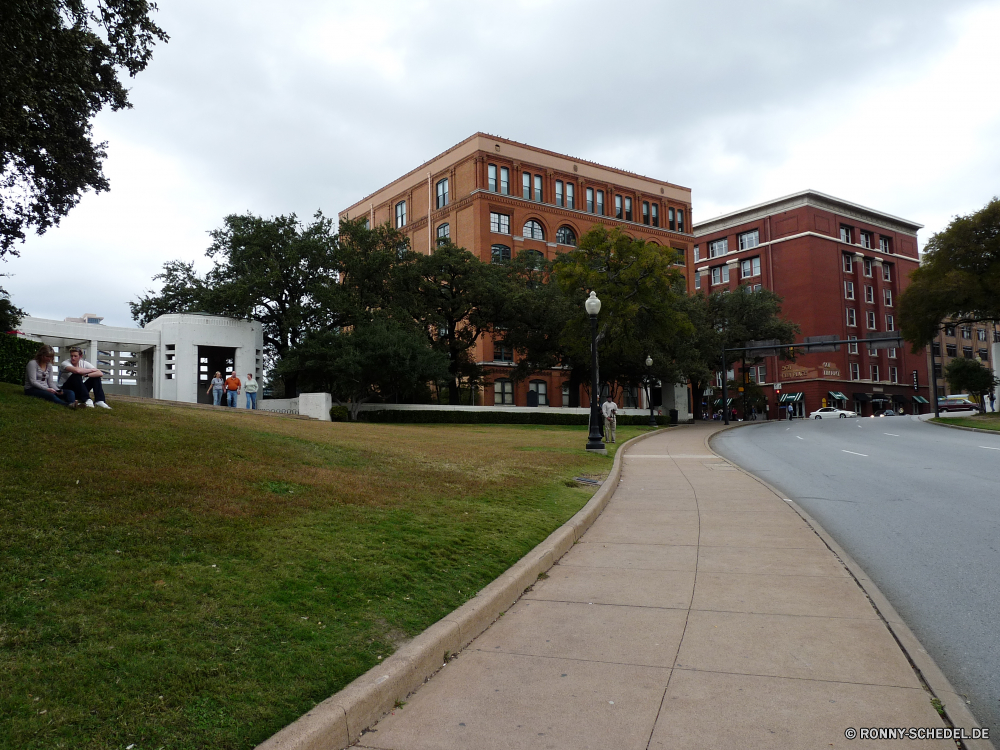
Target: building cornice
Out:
[807,198]
[876,255]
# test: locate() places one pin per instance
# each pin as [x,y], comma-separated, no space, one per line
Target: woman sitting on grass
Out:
[40,379]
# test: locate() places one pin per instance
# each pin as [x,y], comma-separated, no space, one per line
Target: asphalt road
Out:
[918,507]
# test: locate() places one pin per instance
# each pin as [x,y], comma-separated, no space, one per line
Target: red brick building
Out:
[496,197]
[840,268]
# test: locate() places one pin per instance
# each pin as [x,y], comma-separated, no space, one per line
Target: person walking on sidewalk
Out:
[251,390]
[72,374]
[610,411]
[233,385]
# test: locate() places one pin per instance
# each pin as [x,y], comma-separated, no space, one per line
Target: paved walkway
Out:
[699,611]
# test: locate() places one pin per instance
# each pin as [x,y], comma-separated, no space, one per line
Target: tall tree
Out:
[457,298]
[10,314]
[970,376]
[60,64]
[959,277]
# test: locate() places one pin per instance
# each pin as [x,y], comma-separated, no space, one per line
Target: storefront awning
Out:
[837,396]
[861,397]
[879,397]
[787,398]
[920,400]
[900,399]
[718,402]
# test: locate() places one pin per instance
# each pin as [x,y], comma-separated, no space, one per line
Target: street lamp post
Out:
[649,389]
[594,442]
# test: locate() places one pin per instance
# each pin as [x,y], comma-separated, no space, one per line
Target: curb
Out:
[340,720]
[960,427]
[956,712]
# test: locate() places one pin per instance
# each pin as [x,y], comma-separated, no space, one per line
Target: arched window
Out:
[443,233]
[503,392]
[566,236]
[442,193]
[534,259]
[542,389]
[500,254]
[533,230]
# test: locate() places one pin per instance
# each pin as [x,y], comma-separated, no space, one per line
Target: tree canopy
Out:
[10,314]
[60,64]
[959,278]
[969,376]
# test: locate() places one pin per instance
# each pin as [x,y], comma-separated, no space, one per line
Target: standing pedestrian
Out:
[993,401]
[233,385]
[610,411]
[216,387]
[250,388]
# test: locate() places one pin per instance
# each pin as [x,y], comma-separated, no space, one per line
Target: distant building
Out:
[840,269]
[979,341]
[173,357]
[91,318]
[497,197]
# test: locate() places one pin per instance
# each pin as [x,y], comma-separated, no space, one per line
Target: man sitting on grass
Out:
[72,372]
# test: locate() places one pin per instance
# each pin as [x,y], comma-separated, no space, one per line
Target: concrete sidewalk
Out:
[699,611]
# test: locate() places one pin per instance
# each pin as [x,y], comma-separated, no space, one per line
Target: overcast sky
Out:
[297,106]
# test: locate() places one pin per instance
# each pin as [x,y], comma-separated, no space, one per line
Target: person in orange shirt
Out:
[233,385]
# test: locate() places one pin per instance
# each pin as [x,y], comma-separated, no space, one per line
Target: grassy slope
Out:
[194,579]
[990,421]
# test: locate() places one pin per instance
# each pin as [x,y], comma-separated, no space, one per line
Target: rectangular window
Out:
[848,290]
[590,200]
[680,220]
[949,330]
[883,244]
[442,193]
[718,248]
[720,275]
[628,209]
[503,392]
[981,334]
[868,267]
[751,374]
[951,350]
[887,297]
[967,352]
[893,375]
[892,353]
[761,373]
[492,170]
[750,267]
[559,192]
[749,240]
[504,181]
[967,332]
[848,263]
[855,371]
[526,186]
[542,389]
[502,352]
[757,287]
[852,319]
[870,320]
[538,188]
[499,223]
[845,233]
[887,272]
[671,220]
[400,214]
[866,239]
[656,215]
[697,280]
[600,202]
[697,253]
[645,212]
[852,348]
[874,373]
[890,323]
[618,207]
[984,354]
[937,371]
[936,349]
[869,294]
[570,201]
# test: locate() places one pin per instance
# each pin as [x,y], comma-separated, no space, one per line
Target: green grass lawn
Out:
[989,421]
[180,578]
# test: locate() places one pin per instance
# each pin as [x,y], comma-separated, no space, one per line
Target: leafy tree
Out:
[970,376]
[457,299]
[272,270]
[959,277]
[382,359]
[10,315]
[60,62]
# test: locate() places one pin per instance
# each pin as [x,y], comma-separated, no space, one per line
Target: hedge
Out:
[427,416]
[14,355]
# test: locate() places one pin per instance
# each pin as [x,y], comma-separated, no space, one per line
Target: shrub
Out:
[14,355]
[338,414]
[500,416]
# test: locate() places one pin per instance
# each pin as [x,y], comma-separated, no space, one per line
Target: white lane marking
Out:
[799,437]
[893,434]
[989,448]
[786,499]
[856,454]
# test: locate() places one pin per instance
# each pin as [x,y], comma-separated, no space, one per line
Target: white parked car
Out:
[829,412]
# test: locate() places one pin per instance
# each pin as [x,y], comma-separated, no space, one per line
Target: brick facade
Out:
[472,197]
[826,258]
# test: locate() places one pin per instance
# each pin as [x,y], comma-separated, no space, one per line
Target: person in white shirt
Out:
[79,376]
[610,411]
